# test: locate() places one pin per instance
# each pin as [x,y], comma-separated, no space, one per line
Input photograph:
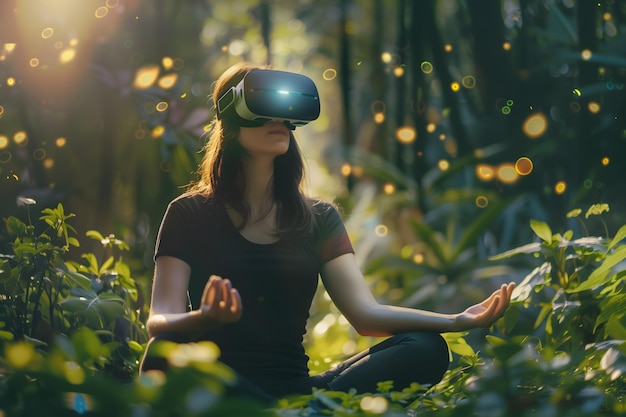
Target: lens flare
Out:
[606,161]
[485,172]
[146,76]
[161,106]
[67,55]
[524,166]
[443,165]
[593,107]
[389,188]
[560,187]
[20,138]
[47,33]
[168,81]
[60,142]
[455,86]
[426,67]
[586,54]
[406,135]
[329,74]
[482,201]
[346,169]
[535,125]
[507,174]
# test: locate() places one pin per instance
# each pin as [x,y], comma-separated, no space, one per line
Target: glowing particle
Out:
[606,161]
[374,405]
[48,163]
[442,137]
[443,165]
[468,81]
[73,42]
[146,76]
[406,134]
[157,131]
[34,62]
[506,110]
[431,127]
[535,125]
[510,103]
[593,107]
[4,141]
[5,156]
[167,63]
[560,187]
[482,201]
[58,45]
[455,86]
[379,118]
[398,71]
[485,172]
[524,166]
[389,188]
[507,174]
[161,106]
[426,67]
[577,92]
[418,258]
[178,64]
[506,46]
[168,81]
[448,47]
[346,169]
[586,54]
[1,111]
[183,95]
[112,4]
[67,55]
[386,57]
[101,12]
[329,74]
[381,230]
[47,33]
[9,47]
[10,81]
[60,142]
[20,138]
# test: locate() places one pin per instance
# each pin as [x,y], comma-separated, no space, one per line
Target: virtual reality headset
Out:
[264,95]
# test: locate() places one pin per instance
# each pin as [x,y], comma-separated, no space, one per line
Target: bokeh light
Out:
[524,166]
[535,125]
[10,82]
[374,404]
[60,142]
[157,132]
[168,81]
[469,81]
[34,62]
[447,47]
[593,107]
[443,165]
[586,54]
[426,67]
[167,62]
[406,134]
[47,33]
[507,174]
[560,187]
[381,230]
[386,57]
[485,172]
[455,86]
[398,71]
[329,74]
[101,12]
[482,201]
[48,163]
[67,55]
[389,188]
[20,138]
[506,46]
[606,161]
[39,154]
[346,169]
[161,106]
[4,141]
[146,76]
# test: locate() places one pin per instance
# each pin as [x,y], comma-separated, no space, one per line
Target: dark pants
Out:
[420,357]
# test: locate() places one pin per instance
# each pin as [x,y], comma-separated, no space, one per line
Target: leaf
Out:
[542,230]
[598,277]
[525,249]
[424,232]
[94,234]
[619,236]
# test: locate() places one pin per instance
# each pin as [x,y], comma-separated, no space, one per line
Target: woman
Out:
[248,247]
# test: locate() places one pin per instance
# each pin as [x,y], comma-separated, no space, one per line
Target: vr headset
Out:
[264,95]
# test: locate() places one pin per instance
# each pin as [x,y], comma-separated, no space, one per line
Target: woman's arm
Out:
[168,310]
[345,284]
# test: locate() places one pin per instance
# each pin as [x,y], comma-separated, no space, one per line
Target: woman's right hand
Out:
[221,302]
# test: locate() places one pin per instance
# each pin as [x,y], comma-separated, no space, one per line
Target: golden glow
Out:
[451,147]
[1,111]
[398,71]
[448,47]
[4,141]
[506,46]
[381,230]
[606,16]
[468,81]
[485,172]
[442,137]
[48,163]
[67,55]
[418,258]
[157,132]
[34,62]
[523,166]
[406,134]
[329,74]
[346,169]
[168,81]
[60,142]
[379,118]
[482,201]
[431,127]
[389,188]
[535,125]
[426,67]
[443,165]
[507,174]
[606,161]
[586,54]
[101,12]
[167,63]
[146,76]
[9,47]
[20,138]
[374,405]
[560,187]
[386,57]
[455,86]
[593,107]
[47,33]
[161,106]
[10,81]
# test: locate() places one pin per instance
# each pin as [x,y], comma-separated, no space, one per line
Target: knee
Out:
[433,349]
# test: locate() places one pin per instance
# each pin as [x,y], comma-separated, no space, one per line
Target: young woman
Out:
[247,248]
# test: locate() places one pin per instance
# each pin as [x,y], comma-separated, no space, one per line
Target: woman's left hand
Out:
[487,312]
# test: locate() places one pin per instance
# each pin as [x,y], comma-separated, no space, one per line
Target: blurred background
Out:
[446,125]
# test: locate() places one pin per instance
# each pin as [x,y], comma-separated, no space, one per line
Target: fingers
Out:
[220,301]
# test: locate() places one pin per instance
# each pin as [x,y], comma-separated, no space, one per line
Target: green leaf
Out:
[94,234]
[424,232]
[525,249]
[599,276]
[619,236]
[15,226]
[542,230]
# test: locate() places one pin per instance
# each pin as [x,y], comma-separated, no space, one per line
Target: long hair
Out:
[221,175]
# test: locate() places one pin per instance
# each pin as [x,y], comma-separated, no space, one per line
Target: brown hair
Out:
[221,169]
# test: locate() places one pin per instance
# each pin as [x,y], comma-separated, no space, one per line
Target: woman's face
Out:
[271,139]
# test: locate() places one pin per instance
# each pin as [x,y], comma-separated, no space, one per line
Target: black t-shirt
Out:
[276,281]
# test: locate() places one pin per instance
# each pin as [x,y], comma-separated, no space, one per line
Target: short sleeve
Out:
[334,240]
[175,232]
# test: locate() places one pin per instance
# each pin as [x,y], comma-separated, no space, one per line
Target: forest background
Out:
[446,127]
